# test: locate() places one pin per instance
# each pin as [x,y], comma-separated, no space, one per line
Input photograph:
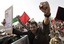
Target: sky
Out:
[31,7]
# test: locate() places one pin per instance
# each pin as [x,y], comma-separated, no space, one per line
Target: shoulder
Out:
[52,40]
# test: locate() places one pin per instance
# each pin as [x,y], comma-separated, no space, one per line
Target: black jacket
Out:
[41,36]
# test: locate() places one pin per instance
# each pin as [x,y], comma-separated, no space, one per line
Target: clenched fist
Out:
[45,8]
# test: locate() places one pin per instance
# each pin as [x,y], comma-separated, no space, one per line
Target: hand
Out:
[18,16]
[44,7]
[4,22]
[9,34]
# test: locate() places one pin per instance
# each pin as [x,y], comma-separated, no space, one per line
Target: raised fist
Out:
[45,8]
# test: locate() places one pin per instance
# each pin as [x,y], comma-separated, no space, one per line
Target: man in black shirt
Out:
[38,35]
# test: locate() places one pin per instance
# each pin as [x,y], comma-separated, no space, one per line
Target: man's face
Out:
[33,27]
[57,36]
[21,28]
[28,25]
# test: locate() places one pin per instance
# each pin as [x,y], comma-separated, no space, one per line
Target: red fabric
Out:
[62,28]
[59,20]
[24,18]
[52,21]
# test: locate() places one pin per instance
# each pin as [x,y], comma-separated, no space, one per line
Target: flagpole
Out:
[22,23]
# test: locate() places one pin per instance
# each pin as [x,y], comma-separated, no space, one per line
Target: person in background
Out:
[3,22]
[61,36]
[28,25]
[56,39]
[22,29]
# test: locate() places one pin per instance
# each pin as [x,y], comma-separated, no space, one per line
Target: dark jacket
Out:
[41,36]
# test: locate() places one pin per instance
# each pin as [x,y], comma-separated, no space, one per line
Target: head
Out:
[33,26]
[61,34]
[56,35]
[28,24]
[4,22]
[21,28]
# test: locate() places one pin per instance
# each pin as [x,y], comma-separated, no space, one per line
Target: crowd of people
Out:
[44,32]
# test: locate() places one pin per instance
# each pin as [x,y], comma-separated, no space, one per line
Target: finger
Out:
[47,4]
[43,10]
[40,6]
[43,5]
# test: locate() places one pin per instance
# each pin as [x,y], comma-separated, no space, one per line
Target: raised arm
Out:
[45,8]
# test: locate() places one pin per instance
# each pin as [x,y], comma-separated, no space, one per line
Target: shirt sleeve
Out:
[46,28]
[17,32]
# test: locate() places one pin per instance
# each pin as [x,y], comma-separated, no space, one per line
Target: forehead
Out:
[32,25]
[27,23]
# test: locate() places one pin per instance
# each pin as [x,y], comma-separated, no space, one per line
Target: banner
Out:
[8,19]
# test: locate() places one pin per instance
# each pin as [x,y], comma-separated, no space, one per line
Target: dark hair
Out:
[55,34]
[33,23]
[29,22]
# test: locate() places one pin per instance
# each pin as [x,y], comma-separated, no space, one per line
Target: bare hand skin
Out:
[45,8]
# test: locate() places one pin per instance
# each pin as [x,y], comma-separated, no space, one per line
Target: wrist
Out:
[47,15]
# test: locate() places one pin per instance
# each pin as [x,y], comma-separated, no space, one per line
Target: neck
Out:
[34,32]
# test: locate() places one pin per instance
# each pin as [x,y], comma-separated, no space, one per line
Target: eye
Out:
[33,27]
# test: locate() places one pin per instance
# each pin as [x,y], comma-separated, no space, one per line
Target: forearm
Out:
[47,19]
[45,8]
[46,28]
[46,24]
[17,32]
